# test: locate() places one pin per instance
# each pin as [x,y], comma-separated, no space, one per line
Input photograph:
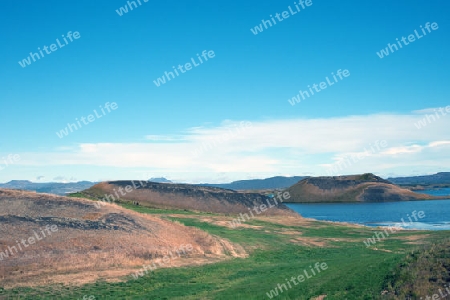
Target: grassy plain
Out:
[278,249]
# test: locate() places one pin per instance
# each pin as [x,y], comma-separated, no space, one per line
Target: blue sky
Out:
[228,118]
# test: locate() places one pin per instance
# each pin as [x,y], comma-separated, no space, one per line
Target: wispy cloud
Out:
[295,146]
[165,138]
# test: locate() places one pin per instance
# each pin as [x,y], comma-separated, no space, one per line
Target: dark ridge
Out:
[109,222]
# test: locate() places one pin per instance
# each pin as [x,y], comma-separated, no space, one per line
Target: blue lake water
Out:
[436,212]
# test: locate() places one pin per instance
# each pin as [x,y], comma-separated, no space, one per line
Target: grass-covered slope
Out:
[425,272]
[48,239]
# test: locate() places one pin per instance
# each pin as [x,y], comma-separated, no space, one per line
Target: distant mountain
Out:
[353,188]
[160,180]
[278,182]
[49,187]
[439,178]
[17,184]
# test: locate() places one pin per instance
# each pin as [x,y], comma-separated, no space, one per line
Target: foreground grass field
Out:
[278,250]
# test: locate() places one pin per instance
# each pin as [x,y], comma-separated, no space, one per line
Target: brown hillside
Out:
[91,243]
[185,196]
[354,188]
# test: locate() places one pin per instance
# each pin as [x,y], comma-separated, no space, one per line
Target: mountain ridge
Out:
[438,178]
[57,188]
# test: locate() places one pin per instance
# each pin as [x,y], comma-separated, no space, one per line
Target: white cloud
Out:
[295,146]
[63,179]
[433,110]
[164,138]
[403,150]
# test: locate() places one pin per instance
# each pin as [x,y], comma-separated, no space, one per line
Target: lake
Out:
[436,212]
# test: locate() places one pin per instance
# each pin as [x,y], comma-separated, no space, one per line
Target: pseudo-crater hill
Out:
[184,196]
[352,188]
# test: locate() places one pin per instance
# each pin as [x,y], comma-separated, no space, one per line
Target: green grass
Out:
[354,271]
[160,211]
[139,208]
[422,272]
[81,195]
